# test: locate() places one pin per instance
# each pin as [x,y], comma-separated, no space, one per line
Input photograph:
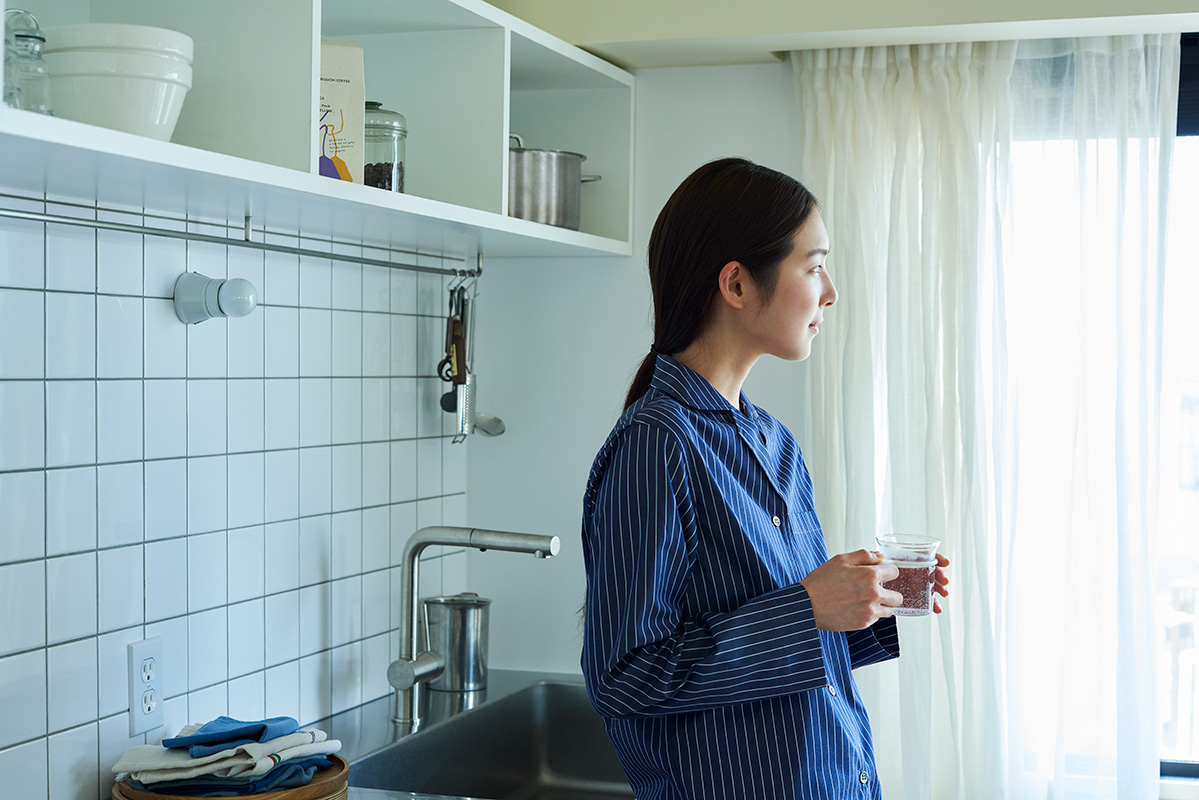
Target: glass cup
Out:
[916,557]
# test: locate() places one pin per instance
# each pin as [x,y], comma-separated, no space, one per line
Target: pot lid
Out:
[520,148]
[579,156]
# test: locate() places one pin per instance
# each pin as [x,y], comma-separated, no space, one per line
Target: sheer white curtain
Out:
[921,161]
[1094,134]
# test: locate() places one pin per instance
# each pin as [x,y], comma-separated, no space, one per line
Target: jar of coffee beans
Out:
[383,156]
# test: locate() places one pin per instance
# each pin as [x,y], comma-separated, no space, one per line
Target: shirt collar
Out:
[692,389]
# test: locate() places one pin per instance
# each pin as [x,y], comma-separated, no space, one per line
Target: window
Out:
[1177,601]
[1177,598]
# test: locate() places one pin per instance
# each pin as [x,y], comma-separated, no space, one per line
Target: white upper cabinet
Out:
[463,73]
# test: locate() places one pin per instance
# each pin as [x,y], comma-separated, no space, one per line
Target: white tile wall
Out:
[71,344]
[24,586]
[71,510]
[16,514]
[242,488]
[71,674]
[26,767]
[70,585]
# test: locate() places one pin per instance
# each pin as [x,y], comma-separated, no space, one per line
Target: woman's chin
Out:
[799,353]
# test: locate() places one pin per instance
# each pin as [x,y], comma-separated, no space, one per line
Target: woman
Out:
[718,634]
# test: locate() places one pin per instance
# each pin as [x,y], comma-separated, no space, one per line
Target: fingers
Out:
[888,599]
[940,579]
[862,558]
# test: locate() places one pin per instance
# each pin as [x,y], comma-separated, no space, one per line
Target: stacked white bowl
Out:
[129,77]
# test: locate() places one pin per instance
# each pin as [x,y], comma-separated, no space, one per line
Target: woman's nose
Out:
[829,295]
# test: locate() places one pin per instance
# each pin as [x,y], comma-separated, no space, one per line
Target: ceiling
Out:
[672,33]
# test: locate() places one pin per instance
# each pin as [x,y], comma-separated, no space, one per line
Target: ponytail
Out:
[641,380]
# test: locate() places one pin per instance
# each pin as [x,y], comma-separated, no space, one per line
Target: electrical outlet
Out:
[145,685]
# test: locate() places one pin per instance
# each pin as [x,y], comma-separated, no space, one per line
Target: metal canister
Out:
[458,630]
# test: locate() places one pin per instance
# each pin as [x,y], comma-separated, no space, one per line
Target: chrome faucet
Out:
[414,666]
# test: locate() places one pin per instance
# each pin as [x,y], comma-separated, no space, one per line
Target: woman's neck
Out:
[724,367]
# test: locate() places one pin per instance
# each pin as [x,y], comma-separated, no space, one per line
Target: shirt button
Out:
[863,777]
[832,690]
[777,522]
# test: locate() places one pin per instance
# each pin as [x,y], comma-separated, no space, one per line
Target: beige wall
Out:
[653,33]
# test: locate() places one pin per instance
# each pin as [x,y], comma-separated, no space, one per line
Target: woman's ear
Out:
[733,282]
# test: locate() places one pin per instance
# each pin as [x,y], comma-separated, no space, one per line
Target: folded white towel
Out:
[151,763]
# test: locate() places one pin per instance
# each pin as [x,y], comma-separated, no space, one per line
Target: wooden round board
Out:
[327,784]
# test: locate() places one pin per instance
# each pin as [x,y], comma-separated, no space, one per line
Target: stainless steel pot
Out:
[543,185]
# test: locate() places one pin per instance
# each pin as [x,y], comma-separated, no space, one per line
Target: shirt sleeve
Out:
[642,654]
[879,642]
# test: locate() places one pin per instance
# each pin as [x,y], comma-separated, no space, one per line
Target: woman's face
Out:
[786,324]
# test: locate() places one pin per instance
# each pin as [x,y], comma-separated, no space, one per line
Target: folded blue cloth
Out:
[225,733]
[297,772]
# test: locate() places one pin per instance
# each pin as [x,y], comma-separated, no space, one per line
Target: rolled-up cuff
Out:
[879,642]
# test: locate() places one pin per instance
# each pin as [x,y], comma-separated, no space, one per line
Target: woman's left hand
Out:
[940,582]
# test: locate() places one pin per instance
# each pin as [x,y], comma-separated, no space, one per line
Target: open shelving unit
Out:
[462,72]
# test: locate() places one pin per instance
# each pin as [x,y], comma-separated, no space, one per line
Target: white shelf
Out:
[463,72]
[60,157]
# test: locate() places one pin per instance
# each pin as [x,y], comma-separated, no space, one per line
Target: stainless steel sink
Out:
[545,742]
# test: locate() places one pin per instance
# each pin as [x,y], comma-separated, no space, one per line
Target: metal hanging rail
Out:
[37,216]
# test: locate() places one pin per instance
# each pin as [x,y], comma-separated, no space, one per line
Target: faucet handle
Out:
[404,674]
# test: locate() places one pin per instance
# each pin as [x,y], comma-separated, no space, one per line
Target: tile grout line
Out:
[362,452]
[328,688]
[228,548]
[296,699]
[187,337]
[265,559]
[45,653]
[96,428]
[145,550]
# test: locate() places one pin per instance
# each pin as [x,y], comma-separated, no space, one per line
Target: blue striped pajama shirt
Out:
[700,649]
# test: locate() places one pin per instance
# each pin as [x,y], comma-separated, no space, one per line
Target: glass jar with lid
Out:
[26,80]
[383,153]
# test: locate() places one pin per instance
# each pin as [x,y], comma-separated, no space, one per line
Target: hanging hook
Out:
[462,276]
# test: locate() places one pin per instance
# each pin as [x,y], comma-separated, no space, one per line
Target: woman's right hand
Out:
[847,591]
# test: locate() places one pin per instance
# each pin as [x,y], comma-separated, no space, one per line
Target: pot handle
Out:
[590,178]
[519,141]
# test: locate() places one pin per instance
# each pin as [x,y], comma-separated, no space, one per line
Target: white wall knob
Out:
[198,297]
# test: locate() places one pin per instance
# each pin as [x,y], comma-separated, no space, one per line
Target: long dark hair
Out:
[727,210]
